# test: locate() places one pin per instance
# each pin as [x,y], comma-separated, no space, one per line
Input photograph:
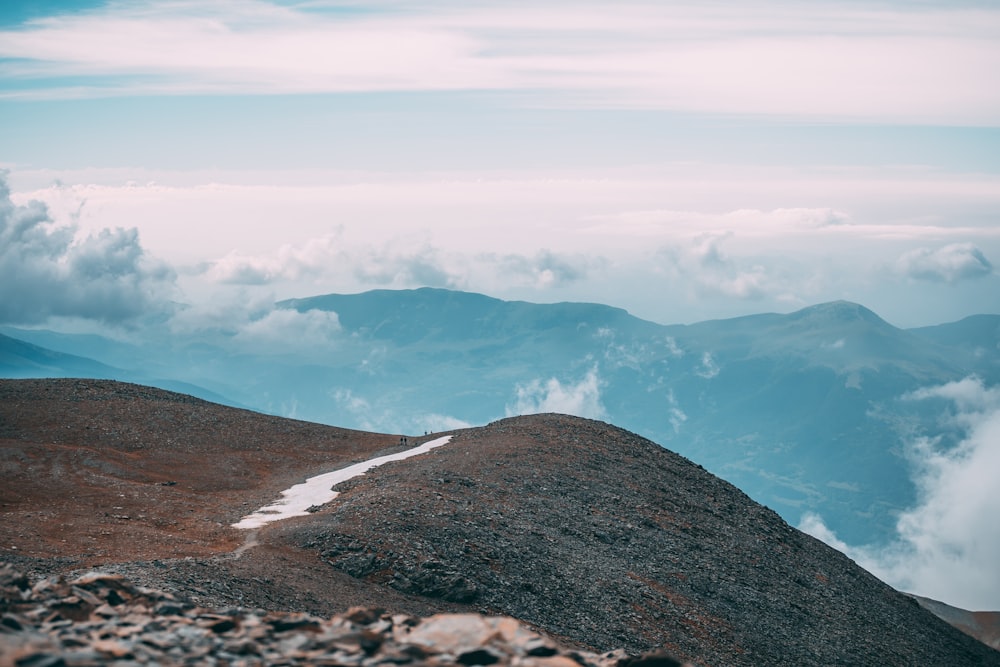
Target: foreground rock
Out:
[102,619]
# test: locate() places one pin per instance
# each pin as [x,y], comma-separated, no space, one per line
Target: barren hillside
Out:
[589,533]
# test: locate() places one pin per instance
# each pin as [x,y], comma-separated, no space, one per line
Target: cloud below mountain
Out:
[283,329]
[947,546]
[582,399]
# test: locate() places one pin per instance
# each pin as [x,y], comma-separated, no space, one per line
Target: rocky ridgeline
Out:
[103,619]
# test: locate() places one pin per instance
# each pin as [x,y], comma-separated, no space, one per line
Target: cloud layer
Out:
[520,235]
[49,270]
[824,60]
[948,546]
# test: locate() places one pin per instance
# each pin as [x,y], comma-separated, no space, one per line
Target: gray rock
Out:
[145,626]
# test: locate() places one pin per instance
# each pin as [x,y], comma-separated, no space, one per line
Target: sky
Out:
[685,161]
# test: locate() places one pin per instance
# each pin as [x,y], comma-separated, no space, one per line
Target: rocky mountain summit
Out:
[593,538]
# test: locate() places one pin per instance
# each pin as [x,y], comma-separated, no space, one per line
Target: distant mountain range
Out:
[804,411]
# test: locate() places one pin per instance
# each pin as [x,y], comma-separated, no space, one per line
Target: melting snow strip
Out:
[317,490]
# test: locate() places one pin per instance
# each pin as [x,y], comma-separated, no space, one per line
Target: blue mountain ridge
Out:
[803,411]
[20,359]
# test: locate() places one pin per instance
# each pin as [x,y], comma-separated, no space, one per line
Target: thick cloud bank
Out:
[46,270]
[948,546]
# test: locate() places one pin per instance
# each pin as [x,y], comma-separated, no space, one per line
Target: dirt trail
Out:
[249,543]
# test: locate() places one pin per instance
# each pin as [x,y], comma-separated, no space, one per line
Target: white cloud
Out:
[51,270]
[409,260]
[947,547]
[970,396]
[283,329]
[676,416]
[373,415]
[949,264]
[747,222]
[239,269]
[709,368]
[628,354]
[543,270]
[346,398]
[365,415]
[582,399]
[928,64]
[814,525]
[711,271]
[220,314]
[400,264]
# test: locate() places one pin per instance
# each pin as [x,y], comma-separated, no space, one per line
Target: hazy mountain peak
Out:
[838,312]
[406,316]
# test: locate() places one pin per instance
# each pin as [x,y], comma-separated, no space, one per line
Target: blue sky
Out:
[683,160]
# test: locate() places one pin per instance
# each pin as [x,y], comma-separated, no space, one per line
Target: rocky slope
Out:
[102,470]
[591,535]
[608,540]
[99,619]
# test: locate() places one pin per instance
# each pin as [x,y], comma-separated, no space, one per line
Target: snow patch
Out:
[296,500]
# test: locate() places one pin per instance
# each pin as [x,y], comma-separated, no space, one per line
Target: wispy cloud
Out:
[703,262]
[675,415]
[282,330]
[401,264]
[436,423]
[827,60]
[708,368]
[948,545]
[375,416]
[542,270]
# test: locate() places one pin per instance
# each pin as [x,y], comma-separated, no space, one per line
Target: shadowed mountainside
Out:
[587,532]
